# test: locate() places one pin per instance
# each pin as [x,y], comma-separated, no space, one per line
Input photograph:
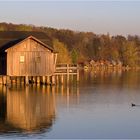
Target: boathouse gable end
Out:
[30,44]
[30,57]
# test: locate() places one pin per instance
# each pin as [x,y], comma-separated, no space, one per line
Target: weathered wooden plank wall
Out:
[30,58]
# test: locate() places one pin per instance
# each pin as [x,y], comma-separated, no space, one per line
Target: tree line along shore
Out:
[87,48]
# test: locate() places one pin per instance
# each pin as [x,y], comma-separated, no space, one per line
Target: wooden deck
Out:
[63,74]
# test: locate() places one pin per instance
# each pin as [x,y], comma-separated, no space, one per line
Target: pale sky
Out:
[115,17]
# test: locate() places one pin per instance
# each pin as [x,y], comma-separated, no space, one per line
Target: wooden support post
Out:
[0,79]
[21,79]
[31,80]
[34,79]
[48,80]
[12,80]
[38,79]
[4,80]
[62,79]
[57,79]
[53,80]
[18,79]
[43,80]
[78,77]
[68,77]
[8,80]
[27,80]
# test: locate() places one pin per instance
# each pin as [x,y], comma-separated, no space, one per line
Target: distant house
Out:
[25,53]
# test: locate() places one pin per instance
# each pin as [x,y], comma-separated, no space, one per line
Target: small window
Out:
[38,59]
[21,59]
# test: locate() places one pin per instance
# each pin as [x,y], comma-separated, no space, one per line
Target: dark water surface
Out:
[99,107]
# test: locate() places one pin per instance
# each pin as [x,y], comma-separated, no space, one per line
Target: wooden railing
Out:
[67,69]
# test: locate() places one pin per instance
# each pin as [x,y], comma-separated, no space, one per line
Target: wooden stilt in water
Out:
[1,80]
[27,80]
[62,79]
[4,80]
[15,80]
[53,80]
[8,80]
[43,80]
[34,79]
[11,80]
[68,77]
[38,79]
[48,80]
[57,79]
[31,80]
[78,77]
[22,80]
[18,80]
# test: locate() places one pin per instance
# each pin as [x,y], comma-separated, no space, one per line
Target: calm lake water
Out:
[99,107]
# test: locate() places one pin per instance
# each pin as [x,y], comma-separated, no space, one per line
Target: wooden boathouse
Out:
[27,56]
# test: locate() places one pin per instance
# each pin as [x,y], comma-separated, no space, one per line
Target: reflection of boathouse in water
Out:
[26,110]
[33,108]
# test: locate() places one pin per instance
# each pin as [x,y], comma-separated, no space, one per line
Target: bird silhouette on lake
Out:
[133,105]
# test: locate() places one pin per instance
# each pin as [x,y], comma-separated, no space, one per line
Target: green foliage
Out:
[114,54]
[23,27]
[74,56]
[63,54]
[130,54]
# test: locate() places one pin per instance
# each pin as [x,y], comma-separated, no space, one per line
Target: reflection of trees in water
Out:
[32,109]
[110,78]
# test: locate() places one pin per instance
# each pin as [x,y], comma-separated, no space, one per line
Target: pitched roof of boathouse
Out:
[11,38]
